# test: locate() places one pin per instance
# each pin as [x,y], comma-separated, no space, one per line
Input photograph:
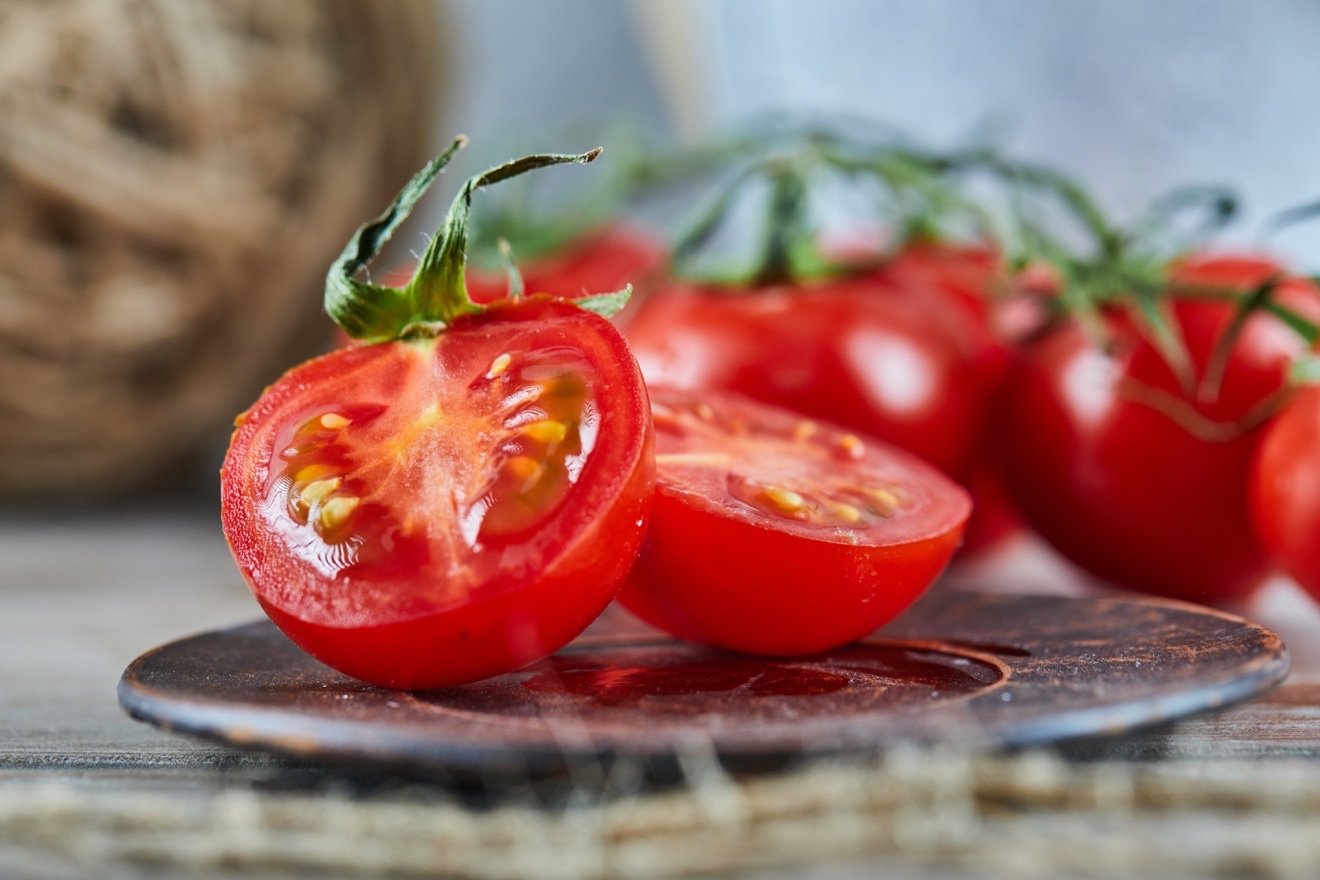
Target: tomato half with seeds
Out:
[456,500]
[774,534]
[424,513]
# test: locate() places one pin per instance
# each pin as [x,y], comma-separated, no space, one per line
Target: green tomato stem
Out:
[437,292]
[438,289]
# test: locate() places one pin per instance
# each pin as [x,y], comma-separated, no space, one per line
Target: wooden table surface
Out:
[85,791]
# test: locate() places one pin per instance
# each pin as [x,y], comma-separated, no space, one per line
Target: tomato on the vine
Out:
[775,534]
[1285,489]
[459,495]
[1135,466]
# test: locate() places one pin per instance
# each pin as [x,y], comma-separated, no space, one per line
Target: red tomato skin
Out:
[1110,460]
[713,574]
[1285,489]
[738,586]
[905,353]
[560,578]
[856,352]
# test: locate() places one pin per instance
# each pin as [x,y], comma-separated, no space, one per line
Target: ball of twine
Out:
[175,177]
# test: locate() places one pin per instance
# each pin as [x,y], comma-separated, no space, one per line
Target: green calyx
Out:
[436,295]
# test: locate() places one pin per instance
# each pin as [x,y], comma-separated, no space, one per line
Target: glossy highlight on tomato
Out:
[1135,473]
[427,512]
[774,534]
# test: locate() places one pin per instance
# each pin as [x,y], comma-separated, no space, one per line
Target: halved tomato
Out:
[775,534]
[457,499]
[423,513]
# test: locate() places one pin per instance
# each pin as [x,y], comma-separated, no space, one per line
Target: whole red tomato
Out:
[459,498]
[1137,471]
[1285,489]
[775,534]
[903,352]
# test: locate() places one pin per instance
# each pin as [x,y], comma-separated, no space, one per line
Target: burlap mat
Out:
[1029,815]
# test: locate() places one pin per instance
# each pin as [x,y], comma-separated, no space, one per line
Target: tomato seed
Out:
[499,365]
[882,501]
[319,490]
[336,511]
[546,431]
[852,446]
[334,422]
[785,500]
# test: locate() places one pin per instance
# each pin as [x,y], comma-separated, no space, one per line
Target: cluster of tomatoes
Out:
[775,467]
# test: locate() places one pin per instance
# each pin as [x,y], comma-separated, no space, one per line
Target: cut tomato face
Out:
[423,513]
[774,534]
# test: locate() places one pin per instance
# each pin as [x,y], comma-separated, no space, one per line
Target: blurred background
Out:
[175,177]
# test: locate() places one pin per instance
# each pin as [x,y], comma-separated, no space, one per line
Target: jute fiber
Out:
[175,177]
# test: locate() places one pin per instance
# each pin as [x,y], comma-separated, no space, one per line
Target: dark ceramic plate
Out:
[971,668]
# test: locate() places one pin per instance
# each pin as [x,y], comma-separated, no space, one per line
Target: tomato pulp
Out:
[1285,489]
[1139,474]
[426,512]
[905,353]
[774,534]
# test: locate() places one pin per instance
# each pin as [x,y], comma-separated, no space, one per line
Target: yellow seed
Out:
[852,445]
[847,513]
[499,365]
[319,490]
[883,501]
[705,412]
[336,511]
[804,430]
[715,459]
[521,467]
[334,422]
[547,431]
[785,500]
[313,472]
